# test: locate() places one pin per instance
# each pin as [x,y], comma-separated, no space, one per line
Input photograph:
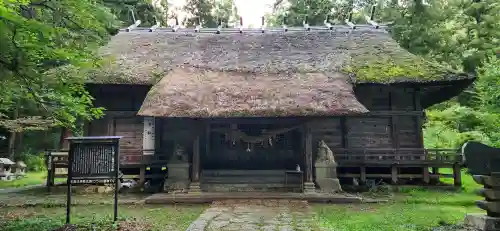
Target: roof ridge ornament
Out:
[372,16]
[136,22]
[176,26]
[198,25]
[219,27]
[241,25]
[306,24]
[327,22]
[348,21]
[263,26]
[154,27]
[285,28]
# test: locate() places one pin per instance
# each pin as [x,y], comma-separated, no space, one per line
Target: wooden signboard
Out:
[94,158]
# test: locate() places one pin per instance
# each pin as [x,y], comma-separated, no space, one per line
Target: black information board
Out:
[93,158]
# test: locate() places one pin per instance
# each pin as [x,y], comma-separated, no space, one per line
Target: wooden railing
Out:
[395,156]
[57,162]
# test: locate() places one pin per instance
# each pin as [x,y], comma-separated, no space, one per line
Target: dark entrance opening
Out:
[254,147]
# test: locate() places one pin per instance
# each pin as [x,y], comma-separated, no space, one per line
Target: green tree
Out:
[209,12]
[144,10]
[38,36]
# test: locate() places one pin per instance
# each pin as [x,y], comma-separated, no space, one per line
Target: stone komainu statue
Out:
[179,155]
[324,154]
[326,170]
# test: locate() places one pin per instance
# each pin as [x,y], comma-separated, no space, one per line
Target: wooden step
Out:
[256,173]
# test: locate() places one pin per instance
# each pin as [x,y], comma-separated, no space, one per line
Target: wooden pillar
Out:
[194,187]
[363,174]
[457,175]
[148,145]
[394,123]
[148,136]
[308,153]
[308,149]
[394,174]
[343,130]
[418,119]
[111,125]
[426,176]
[196,159]
[207,139]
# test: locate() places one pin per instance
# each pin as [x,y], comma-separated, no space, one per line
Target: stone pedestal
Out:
[482,222]
[309,188]
[326,177]
[178,178]
[491,193]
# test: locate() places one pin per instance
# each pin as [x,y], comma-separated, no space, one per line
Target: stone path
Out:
[256,215]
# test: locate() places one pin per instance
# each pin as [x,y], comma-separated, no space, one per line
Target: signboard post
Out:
[95,159]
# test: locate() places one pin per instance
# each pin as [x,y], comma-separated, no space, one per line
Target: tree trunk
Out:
[12,137]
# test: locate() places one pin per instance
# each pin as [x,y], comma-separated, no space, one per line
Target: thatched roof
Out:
[367,55]
[195,92]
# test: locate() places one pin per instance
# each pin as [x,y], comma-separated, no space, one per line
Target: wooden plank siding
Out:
[403,131]
[121,103]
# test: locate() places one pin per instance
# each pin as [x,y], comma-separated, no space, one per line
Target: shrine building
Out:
[239,111]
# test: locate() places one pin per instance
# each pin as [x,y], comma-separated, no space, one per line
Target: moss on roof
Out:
[368,55]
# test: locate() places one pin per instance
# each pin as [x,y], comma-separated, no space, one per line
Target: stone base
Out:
[329,185]
[482,222]
[309,187]
[175,185]
[194,188]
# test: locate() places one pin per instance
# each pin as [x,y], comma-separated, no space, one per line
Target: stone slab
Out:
[482,222]
[206,197]
[256,215]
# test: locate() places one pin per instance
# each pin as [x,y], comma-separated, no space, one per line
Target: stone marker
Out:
[178,171]
[484,163]
[326,170]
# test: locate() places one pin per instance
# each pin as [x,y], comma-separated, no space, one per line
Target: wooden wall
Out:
[398,131]
[121,103]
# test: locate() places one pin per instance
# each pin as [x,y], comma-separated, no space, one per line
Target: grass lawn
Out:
[99,217]
[31,178]
[412,209]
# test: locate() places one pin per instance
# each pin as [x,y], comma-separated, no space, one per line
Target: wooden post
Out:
[363,174]
[394,123]
[394,174]
[308,150]
[194,187]
[207,139]
[418,121]
[426,175]
[142,175]
[148,136]
[196,159]
[435,172]
[457,175]
[343,130]
[308,146]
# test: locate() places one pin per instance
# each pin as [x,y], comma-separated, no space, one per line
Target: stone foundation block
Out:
[482,222]
[309,188]
[329,185]
[194,188]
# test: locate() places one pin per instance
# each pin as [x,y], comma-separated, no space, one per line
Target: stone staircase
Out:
[248,181]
